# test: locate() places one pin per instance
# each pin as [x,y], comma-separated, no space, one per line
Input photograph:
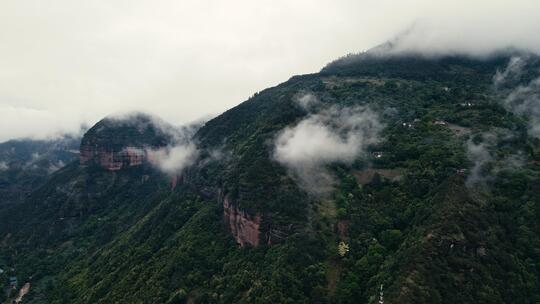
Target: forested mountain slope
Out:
[26,163]
[404,177]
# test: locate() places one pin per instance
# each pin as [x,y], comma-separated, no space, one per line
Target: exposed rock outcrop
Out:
[113,160]
[116,143]
[245,228]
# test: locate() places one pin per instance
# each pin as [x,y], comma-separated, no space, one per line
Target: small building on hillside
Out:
[410,124]
[377,154]
[467,104]
[461,171]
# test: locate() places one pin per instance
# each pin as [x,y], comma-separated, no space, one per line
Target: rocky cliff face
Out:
[113,160]
[245,228]
[115,143]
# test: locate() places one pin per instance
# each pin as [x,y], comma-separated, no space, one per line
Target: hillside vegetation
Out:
[431,195]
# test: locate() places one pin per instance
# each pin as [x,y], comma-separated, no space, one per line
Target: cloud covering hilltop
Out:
[65,63]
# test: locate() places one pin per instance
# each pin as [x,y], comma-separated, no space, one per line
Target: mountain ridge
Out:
[240,226]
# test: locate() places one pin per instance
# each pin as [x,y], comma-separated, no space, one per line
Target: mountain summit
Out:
[117,142]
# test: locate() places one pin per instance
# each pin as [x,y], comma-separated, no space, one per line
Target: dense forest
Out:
[429,192]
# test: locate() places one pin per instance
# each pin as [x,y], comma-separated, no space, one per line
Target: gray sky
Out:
[64,62]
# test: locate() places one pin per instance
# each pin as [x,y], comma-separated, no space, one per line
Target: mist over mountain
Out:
[65,64]
[26,164]
[163,152]
[401,178]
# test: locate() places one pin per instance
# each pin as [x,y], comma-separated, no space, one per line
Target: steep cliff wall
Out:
[245,228]
[116,143]
[113,160]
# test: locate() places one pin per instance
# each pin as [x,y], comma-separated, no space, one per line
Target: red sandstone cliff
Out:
[116,143]
[245,228]
[113,160]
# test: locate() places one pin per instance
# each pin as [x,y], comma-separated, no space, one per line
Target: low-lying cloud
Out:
[306,101]
[173,160]
[333,135]
[181,151]
[486,164]
[162,57]
[472,27]
[520,99]
[511,73]
[480,156]
[525,101]
[55,166]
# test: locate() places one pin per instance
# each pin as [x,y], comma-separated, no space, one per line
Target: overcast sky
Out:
[65,62]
